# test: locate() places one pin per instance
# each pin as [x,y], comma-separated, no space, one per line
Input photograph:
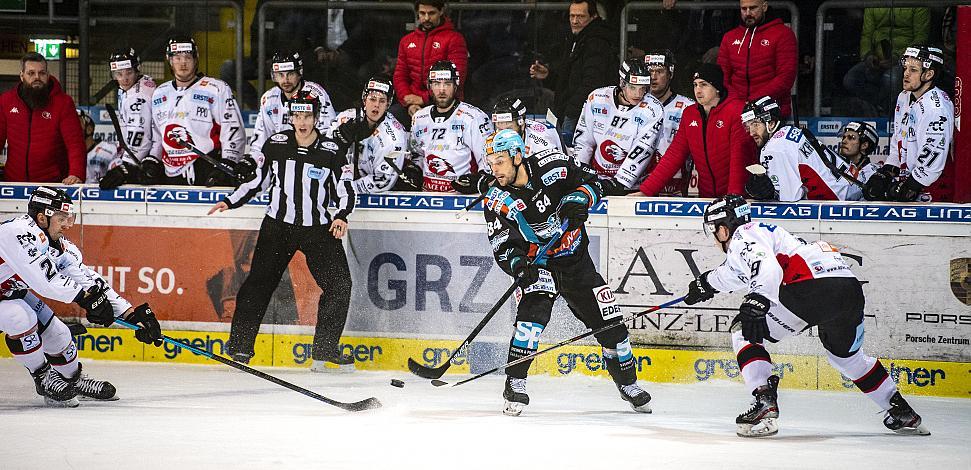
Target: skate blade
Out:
[86,398]
[645,408]
[72,403]
[513,408]
[765,428]
[920,430]
[323,367]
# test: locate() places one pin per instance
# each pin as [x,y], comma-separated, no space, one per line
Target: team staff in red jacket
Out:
[759,57]
[433,40]
[40,126]
[711,132]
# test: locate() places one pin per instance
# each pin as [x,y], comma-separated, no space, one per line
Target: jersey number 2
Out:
[48,269]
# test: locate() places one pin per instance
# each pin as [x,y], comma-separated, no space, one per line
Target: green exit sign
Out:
[51,50]
[19,6]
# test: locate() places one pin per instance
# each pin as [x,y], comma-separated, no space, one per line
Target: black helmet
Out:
[866,133]
[730,210]
[635,72]
[443,70]
[509,109]
[123,59]
[660,58]
[380,83]
[764,109]
[47,200]
[285,62]
[929,57]
[304,101]
[179,44]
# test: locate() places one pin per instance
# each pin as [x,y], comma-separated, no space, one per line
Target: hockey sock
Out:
[868,374]
[753,360]
[59,348]
[620,362]
[26,349]
[524,342]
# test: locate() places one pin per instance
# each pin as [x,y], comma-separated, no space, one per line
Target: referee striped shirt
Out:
[302,181]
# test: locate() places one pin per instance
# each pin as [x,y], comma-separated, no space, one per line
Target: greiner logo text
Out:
[708,368]
[99,343]
[568,362]
[208,344]
[302,352]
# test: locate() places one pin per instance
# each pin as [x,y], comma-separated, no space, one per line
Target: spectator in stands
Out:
[433,40]
[40,126]
[885,35]
[587,63]
[711,133]
[759,57]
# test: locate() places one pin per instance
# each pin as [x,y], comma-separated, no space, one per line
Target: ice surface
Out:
[192,416]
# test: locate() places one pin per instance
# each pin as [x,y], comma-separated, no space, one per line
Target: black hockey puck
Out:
[397,383]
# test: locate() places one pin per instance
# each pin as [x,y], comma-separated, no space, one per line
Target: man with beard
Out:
[448,137]
[435,39]
[45,143]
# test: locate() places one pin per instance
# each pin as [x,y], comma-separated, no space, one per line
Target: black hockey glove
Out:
[354,130]
[218,177]
[612,187]
[152,171]
[574,207]
[524,270]
[904,191]
[245,170]
[760,187]
[752,315]
[150,331]
[699,290]
[119,175]
[95,302]
[473,183]
[410,178]
[878,186]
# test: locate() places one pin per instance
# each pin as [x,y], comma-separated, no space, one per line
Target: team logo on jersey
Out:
[679,104]
[612,152]
[175,135]
[439,165]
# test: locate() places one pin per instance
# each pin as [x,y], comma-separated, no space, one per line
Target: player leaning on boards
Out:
[303,170]
[923,128]
[527,205]
[37,256]
[791,286]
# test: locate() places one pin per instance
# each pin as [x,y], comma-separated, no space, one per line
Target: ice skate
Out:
[515,395]
[59,392]
[638,398]
[242,358]
[759,420]
[90,389]
[333,364]
[902,419]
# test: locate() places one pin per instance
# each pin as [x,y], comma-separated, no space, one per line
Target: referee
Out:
[302,169]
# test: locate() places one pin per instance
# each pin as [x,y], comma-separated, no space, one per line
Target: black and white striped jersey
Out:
[302,181]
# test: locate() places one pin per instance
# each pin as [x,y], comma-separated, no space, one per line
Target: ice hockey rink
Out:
[195,416]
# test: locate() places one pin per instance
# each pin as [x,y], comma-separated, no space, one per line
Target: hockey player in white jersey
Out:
[510,113]
[372,173]
[858,140]
[37,256]
[921,134]
[790,286]
[102,156]
[661,65]
[273,117]
[794,169]
[619,130]
[134,104]
[448,136]
[192,113]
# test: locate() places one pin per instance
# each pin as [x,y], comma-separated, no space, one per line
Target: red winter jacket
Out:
[760,61]
[418,50]
[43,145]
[719,146]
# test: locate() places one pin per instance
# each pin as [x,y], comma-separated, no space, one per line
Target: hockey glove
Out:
[410,178]
[904,191]
[574,207]
[612,187]
[760,187]
[473,183]
[152,170]
[119,175]
[878,186]
[752,315]
[524,270]
[699,290]
[95,302]
[150,331]
[354,130]
[218,177]
[245,170]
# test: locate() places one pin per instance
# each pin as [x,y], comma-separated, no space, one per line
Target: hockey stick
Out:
[221,166]
[362,405]
[113,115]
[436,372]
[830,163]
[441,383]
[389,159]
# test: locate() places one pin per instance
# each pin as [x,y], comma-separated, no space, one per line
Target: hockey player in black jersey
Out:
[524,210]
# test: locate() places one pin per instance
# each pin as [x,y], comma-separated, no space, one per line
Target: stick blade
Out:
[426,372]
[363,405]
